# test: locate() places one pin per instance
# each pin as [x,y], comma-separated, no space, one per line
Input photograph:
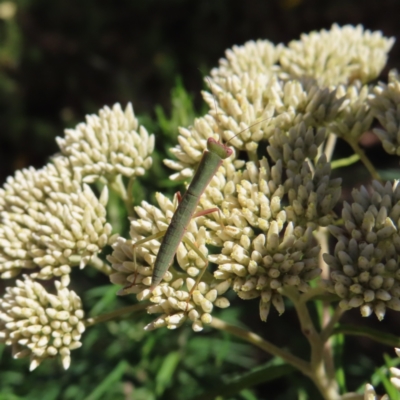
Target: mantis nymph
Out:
[210,162]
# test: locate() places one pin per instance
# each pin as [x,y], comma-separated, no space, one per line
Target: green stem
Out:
[345,162]
[320,358]
[258,341]
[129,202]
[313,292]
[325,306]
[125,194]
[328,329]
[116,313]
[365,160]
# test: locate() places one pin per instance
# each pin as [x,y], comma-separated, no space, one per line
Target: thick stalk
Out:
[258,341]
[321,360]
[116,313]
[365,160]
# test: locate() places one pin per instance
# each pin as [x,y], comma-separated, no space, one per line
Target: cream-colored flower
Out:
[355,116]
[364,267]
[39,324]
[259,264]
[247,113]
[49,223]
[340,55]
[268,209]
[253,58]
[109,144]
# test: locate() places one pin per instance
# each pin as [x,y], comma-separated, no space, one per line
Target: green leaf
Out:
[113,377]
[107,293]
[261,374]
[374,334]
[167,369]
[182,112]
[345,162]
[390,389]
[338,342]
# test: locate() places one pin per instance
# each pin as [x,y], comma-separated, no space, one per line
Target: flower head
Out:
[253,58]
[355,116]
[385,104]
[49,222]
[275,189]
[39,324]
[364,267]
[340,55]
[248,113]
[108,144]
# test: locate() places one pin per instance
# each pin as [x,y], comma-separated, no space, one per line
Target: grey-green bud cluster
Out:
[355,117]
[364,267]
[385,104]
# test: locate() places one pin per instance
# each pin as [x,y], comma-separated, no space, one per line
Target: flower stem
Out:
[321,357]
[114,314]
[262,344]
[125,194]
[328,329]
[365,160]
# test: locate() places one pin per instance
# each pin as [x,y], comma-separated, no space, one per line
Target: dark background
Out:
[60,60]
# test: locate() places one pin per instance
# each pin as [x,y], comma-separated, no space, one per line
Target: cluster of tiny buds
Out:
[39,324]
[364,267]
[175,299]
[50,221]
[108,144]
[176,305]
[385,102]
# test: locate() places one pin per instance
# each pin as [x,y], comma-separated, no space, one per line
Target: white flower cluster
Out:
[253,57]
[249,113]
[49,222]
[39,324]
[108,144]
[267,100]
[340,55]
